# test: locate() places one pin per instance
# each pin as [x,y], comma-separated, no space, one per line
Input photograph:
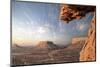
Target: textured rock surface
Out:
[71,12]
[88,51]
[46,45]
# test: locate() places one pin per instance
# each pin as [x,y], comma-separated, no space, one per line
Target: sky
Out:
[33,22]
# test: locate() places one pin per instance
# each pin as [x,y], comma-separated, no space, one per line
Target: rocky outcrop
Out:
[71,12]
[88,52]
[46,45]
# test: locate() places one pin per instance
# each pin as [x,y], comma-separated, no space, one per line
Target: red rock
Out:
[88,52]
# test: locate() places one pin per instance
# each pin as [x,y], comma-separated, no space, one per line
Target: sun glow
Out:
[81,27]
[41,30]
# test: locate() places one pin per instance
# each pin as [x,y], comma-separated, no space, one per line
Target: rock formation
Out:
[78,39]
[71,12]
[16,46]
[88,52]
[46,45]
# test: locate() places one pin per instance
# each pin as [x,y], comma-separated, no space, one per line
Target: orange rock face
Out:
[88,52]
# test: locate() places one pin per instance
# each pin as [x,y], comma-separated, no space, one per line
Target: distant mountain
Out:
[16,46]
[78,39]
[48,45]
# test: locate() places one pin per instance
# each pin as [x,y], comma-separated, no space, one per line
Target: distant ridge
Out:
[16,45]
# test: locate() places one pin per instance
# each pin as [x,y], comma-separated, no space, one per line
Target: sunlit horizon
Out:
[34,22]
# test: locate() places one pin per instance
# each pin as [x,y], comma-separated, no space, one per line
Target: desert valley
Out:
[47,52]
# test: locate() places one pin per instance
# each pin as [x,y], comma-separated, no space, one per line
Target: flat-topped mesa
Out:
[46,45]
[78,39]
[45,42]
